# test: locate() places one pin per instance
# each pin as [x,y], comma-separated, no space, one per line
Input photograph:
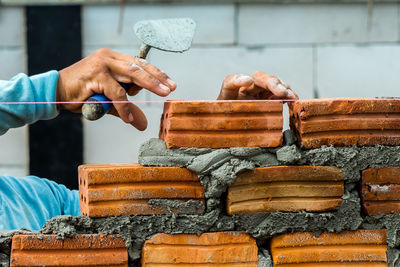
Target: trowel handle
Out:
[94,111]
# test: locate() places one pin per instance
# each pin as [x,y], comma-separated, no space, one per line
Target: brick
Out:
[286,188]
[219,124]
[348,248]
[125,189]
[346,122]
[380,190]
[81,250]
[215,249]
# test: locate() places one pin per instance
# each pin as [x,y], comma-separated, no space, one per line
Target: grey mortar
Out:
[393,257]
[264,258]
[217,169]
[5,245]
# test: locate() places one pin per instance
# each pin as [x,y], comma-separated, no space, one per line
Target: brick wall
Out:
[246,204]
[14,144]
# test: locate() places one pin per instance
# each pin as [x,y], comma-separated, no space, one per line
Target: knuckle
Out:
[102,51]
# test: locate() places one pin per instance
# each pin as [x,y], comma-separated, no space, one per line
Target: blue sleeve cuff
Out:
[45,85]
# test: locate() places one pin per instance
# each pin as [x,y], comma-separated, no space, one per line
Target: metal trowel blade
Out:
[174,35]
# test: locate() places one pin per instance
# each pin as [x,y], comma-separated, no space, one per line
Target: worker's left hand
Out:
[259,85]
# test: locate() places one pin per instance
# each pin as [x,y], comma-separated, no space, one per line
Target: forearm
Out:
[21,88]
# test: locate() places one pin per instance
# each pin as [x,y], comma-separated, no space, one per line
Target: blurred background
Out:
[321,48]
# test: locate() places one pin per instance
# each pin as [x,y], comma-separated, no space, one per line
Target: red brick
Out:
[348,248]
[125,189]
[346,122]
[82,250]
[214,249]
[381,190]
[286,188]
[221,124]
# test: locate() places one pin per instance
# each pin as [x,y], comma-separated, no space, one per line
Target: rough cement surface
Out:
[5,245]
[187,207]
[264,258]
[393,257]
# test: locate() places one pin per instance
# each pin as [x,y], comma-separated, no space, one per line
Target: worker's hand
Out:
[257,86]
[100,73]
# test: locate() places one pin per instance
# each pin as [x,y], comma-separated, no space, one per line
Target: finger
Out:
[271,83]
[232,84]
[134,89]
[139,118]
[157,73]
[133,73]
[113,91]
[151,69]
[292,94]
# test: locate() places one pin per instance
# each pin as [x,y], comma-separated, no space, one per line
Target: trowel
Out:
[173,35]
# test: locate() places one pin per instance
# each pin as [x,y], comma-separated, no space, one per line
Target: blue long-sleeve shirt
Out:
[29,201]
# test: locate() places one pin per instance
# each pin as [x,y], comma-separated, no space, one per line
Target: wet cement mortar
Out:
[217,168]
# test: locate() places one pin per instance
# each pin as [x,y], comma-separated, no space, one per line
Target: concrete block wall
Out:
[14,144]
[321,50]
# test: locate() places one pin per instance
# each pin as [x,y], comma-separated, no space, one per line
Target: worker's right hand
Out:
[100,72]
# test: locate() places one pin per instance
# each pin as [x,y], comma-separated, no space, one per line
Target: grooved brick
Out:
[81,250]
[348,248]
[221,124]
[286,188]
[380,190]
[190,250]
[346,122]
[125,189]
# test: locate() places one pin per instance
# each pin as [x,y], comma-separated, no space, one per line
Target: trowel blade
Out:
[173,35]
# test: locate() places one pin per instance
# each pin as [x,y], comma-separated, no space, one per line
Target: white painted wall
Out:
[326,50]
[14,144]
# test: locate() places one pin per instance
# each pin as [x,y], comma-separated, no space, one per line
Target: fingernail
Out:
[130,117]
[171,83]
[164,88]
[281,87]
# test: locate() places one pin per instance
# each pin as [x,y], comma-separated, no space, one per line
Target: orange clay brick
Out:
[380,190]
[348,248]
[81,250]
[125,189]
[346,122]
[286,188]
[221,124]
[189,250]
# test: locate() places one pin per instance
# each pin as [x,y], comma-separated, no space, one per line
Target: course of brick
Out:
[81,250]
[286,188]
[214,249]
[381,190]
[348,248]
[121,189]
[219,124]
[346,122]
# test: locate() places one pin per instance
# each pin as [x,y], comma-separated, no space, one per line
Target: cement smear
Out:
[264,258]
[217,168]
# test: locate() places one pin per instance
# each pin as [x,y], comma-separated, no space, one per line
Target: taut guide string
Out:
[163,101]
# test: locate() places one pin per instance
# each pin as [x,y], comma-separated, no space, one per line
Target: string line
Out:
[163,101]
